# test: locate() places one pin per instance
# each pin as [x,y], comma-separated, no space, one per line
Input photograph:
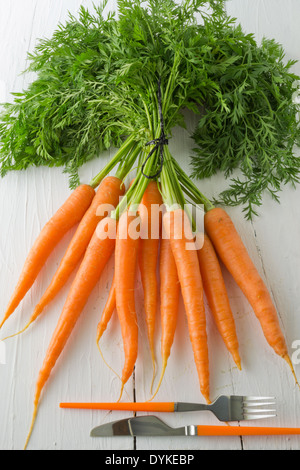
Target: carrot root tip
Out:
[18,333]
[121,392]
[31,426]
[153,375]
[288,360]
[160,380]
[104,360]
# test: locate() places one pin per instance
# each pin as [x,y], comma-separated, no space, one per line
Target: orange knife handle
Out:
[147,406]
[244,431]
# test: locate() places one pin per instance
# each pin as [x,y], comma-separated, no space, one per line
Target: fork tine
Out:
[259,401]
[258,405]
[253,407]
[258,398]
[256,411]
[239,408]
[251,416]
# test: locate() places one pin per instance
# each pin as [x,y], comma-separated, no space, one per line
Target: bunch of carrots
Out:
[114,222]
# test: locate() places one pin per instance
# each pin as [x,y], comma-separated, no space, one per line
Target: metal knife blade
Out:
[140,426]
[116,428]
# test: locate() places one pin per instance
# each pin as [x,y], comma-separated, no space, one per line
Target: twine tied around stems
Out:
[158,143]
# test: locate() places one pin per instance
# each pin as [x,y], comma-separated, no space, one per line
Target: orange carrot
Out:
[107,196]
[179,231]
[65,218]
[96,257]
[216,294]
[125,272]
[235,257]
[169,303]
[107,313]
[148,257]
[109,308]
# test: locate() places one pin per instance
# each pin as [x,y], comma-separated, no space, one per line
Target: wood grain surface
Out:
[28,200]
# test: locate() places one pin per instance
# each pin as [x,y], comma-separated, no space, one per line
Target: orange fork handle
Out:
[244,431]
[147,406]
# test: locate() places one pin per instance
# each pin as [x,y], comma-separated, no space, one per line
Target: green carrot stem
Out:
[135,193]
[172,190]
[123,150]
[126,165]
[173,175]
[186,182]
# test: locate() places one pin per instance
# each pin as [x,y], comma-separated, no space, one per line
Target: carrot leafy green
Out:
[96,84]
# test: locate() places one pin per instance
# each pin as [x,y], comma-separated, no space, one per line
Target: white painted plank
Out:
[29,200]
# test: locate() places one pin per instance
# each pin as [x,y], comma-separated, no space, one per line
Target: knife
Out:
[153,426]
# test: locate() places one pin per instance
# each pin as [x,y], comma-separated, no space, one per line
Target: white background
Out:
[30,198]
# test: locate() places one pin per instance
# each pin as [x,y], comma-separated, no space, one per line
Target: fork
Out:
[234,407]
[225,408]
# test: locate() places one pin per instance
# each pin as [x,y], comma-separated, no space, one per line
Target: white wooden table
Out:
[30,198]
